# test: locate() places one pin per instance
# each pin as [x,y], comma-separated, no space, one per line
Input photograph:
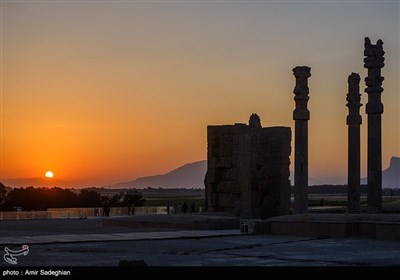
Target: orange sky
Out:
[104,92]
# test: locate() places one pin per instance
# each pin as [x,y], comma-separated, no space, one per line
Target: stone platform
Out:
[87,243]
[377,226]
[177,221]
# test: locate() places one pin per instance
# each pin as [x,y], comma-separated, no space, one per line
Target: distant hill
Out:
[391,175]
[311,181]
[190,175]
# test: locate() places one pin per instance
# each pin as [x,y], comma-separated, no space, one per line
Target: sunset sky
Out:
[101,92]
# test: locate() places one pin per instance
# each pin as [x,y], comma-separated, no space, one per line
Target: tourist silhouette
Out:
[192,208]
[184,207]
[106,209]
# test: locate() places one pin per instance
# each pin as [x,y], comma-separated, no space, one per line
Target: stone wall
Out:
[248,169]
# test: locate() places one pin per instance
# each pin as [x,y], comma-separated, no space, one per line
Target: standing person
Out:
[133,209]
[168,208]
[192,207]
[129,210]
[107,209]
[184,207]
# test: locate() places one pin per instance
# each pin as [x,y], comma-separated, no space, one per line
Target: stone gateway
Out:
[248,169]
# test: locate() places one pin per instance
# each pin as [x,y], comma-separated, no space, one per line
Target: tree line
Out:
[31,198]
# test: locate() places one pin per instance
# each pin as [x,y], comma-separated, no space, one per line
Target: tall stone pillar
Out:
[374,108]
[244,175]
[301,115]
[353,162]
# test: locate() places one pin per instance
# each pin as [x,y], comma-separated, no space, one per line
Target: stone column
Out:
[353,162]
[244,175]
[301,115]
[374,108]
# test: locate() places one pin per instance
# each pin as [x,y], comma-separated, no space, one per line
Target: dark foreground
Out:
[90,243]
[242,250]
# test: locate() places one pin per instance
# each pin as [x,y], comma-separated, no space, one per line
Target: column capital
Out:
[301,73]
[373,54]
[373,61]
[353,100]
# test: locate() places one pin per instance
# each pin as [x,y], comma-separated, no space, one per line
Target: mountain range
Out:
[391,175]
[191,175]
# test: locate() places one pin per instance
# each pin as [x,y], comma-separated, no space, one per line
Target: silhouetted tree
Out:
[3,192]
[42,198]
[39,198]
[115,200]
[89,198]
[31,198]
[135,199]
[54,197]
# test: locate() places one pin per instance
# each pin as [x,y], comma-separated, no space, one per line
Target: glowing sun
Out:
[49,174]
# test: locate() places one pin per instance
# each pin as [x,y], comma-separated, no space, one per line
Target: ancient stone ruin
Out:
[353,122]
[301,115]
[373,61]
[248,165]
[248,169]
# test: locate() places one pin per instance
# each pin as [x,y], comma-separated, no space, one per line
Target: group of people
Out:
[182,208]
[106,210]
[131,209]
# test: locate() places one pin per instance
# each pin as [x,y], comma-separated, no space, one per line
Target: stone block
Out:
[228,187]
[226,151]
[213,130]
[212,162]
[240,128]
[228,201]
[227,161]
[262,157]
[211,176]
[230,174]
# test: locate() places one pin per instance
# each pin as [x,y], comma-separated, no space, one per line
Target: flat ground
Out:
[187,249]
[242,250]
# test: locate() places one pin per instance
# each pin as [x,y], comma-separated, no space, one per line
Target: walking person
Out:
[107,209]
[184,207]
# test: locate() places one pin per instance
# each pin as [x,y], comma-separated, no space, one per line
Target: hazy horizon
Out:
[192,178]
[105,92]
